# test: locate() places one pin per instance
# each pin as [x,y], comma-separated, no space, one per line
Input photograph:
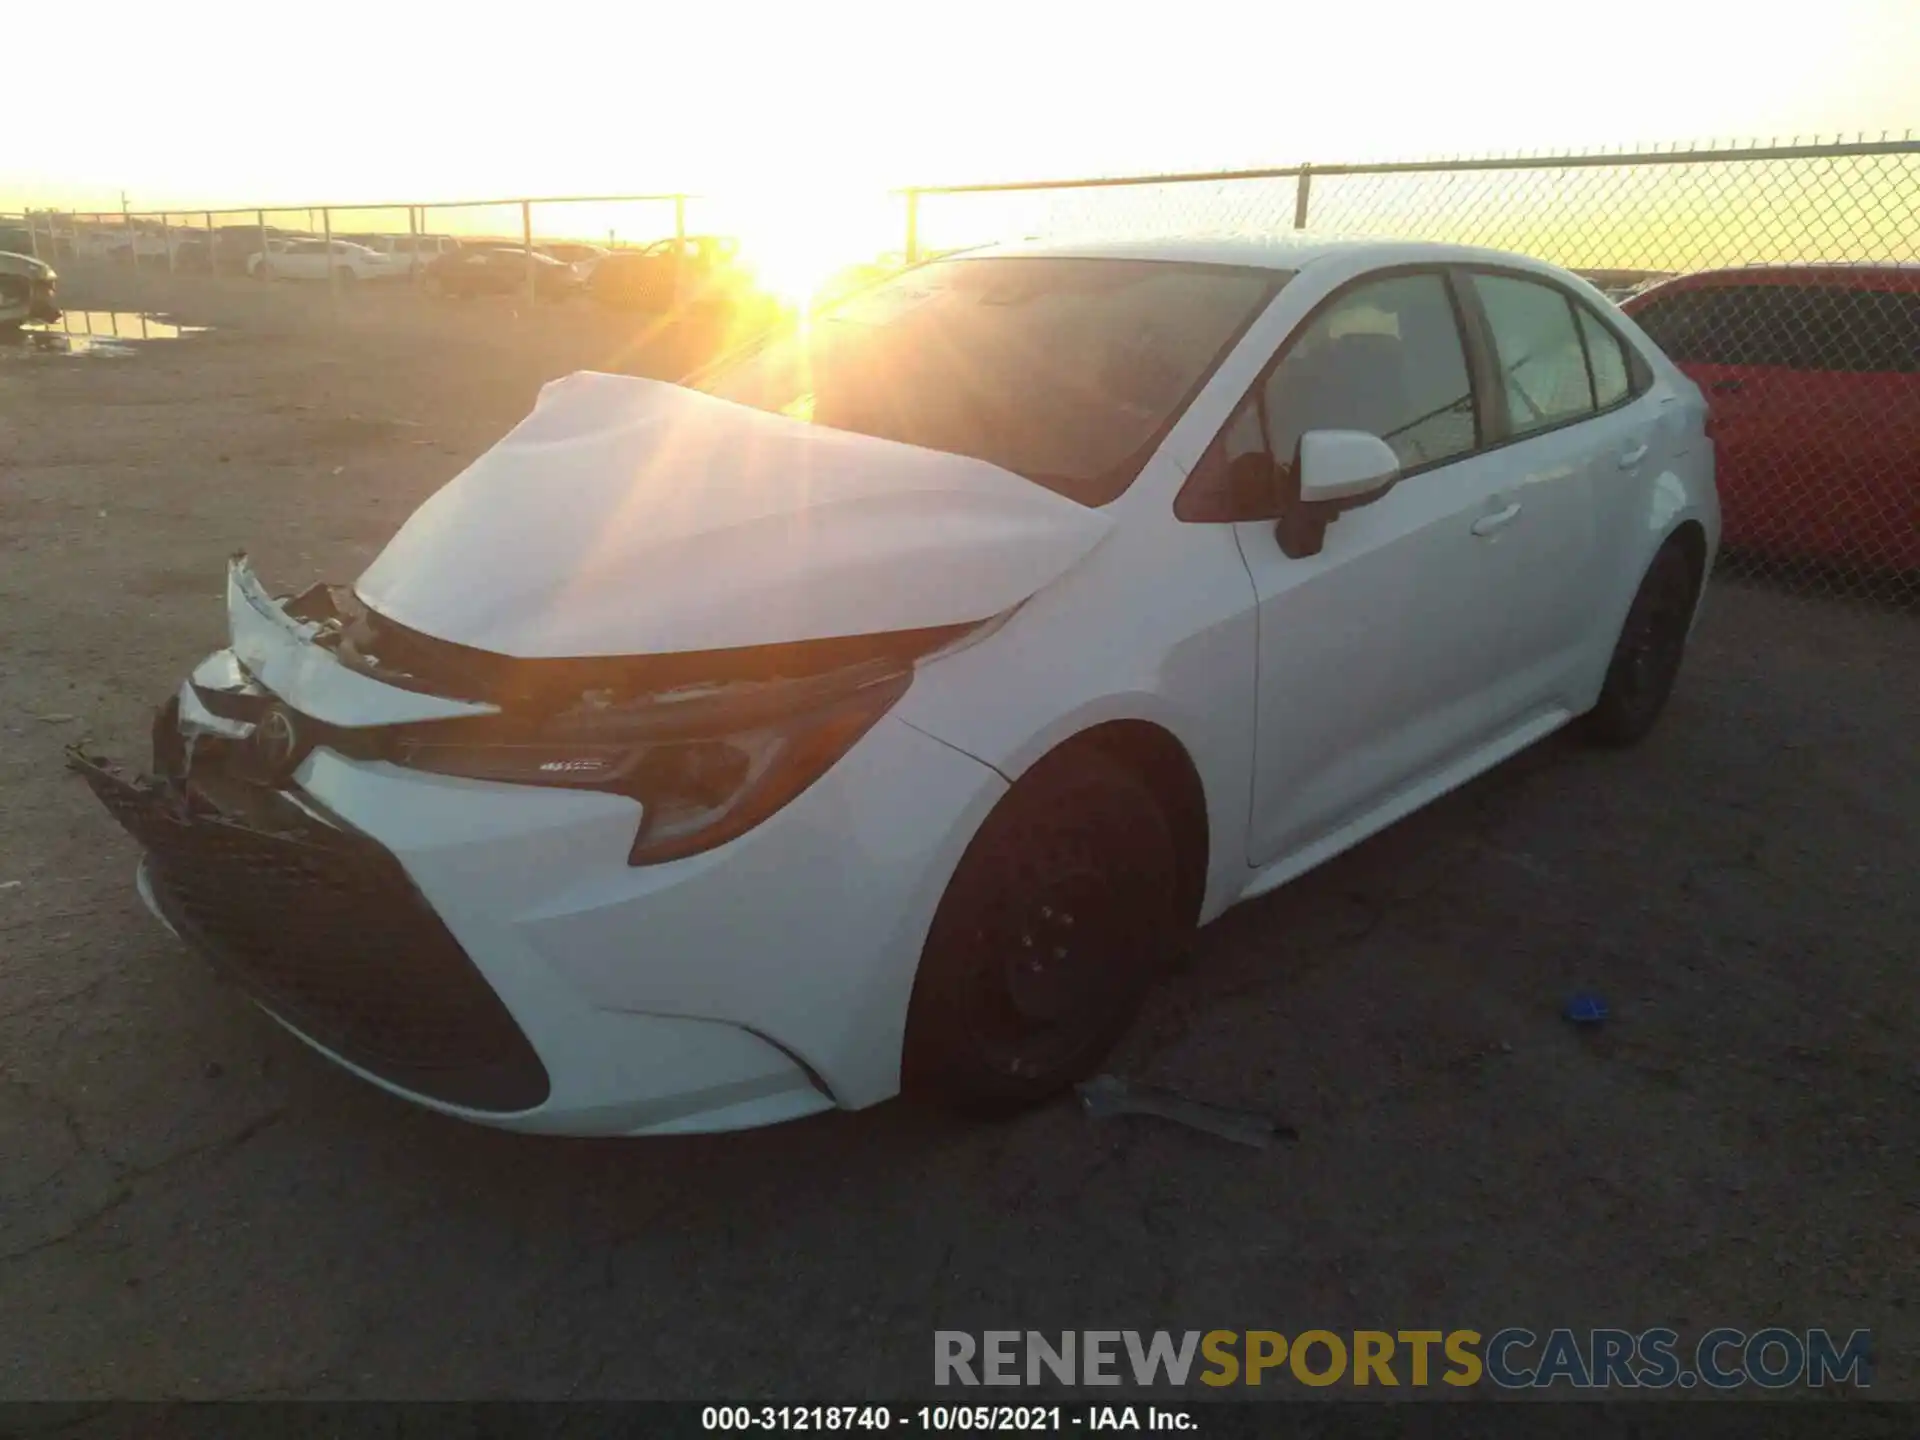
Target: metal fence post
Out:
[526,239]
[679,249]
[913,227]
[413,246]
[33,237]
[209,219]
[133,244]
[1303,188]
[166,239]
[260,217]
[333,275]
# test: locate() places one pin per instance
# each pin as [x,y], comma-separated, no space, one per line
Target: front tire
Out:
[1646,658]
[1061,912]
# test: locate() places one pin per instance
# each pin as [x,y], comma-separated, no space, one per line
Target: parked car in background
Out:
[229,250]
[577,253]
[1616,285]
[890,705]
[500,270]
[1813,376]
[149,243]
[314,259]
[412,252]
[690,272]
[27,290]
[95,242]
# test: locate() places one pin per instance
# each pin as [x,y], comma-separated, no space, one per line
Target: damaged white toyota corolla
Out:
[885,709]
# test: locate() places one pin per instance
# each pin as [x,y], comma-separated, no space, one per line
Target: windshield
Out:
[1066,371]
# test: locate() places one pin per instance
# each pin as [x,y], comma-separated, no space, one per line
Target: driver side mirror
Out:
[1345,468]
[1335,470]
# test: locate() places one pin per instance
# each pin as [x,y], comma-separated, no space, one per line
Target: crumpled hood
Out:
[628,517]
[14,264]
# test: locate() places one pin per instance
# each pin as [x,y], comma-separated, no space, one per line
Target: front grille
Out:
[325,929]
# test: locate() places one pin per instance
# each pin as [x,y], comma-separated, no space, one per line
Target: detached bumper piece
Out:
[324,929]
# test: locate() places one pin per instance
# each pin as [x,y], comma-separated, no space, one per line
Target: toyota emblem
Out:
[276,741]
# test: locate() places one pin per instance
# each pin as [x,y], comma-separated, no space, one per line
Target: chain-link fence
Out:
[1783,279]
[540,247]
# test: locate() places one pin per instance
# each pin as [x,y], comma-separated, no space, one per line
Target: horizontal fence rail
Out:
[1814,380]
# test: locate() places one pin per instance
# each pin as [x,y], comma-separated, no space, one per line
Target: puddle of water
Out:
[100,332]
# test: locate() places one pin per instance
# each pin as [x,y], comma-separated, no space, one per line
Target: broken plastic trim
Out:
[710,744]
[1105,1096]
[386,650]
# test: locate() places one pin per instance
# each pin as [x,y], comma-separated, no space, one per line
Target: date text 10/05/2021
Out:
[942,1418]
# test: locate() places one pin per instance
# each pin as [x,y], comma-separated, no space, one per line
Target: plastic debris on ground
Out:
[1106,1096]
[1586,1009]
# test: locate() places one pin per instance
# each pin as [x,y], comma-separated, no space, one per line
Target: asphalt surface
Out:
[192,1205]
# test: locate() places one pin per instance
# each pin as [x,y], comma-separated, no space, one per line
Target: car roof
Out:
[1280,250]
[1883,275]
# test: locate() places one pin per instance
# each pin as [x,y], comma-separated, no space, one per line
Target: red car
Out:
[1812,374]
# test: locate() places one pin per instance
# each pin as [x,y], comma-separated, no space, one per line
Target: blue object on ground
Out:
[1586,1010]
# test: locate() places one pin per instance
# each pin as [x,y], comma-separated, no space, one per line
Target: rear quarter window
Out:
[1606,358]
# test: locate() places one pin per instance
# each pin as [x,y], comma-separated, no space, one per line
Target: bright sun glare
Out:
[797,243]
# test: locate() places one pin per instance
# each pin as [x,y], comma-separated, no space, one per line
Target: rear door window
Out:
[1543,365]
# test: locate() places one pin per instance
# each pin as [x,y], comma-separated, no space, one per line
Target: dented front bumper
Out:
[487,950]
[321,926]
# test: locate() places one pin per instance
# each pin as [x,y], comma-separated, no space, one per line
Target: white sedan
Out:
[312,260]
[887,708]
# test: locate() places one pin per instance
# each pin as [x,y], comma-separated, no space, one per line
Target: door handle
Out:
[1634,456]
[1498,520]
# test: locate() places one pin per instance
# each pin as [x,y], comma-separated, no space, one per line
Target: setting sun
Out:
[797,242]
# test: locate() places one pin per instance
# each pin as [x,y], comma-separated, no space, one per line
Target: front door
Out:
[1377,655]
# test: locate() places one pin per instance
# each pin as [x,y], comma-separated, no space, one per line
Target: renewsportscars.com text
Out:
[1514,1358]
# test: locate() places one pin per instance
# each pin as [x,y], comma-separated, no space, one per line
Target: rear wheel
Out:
[1646,659]
[1061,912]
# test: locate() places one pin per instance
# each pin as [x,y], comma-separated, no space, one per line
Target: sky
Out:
[793,121]
[235,102]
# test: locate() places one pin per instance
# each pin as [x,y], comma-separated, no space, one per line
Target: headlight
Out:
[704,770]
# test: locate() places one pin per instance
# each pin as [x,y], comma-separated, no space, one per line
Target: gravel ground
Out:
[192,1205]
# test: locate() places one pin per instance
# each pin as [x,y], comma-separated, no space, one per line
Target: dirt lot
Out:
[193,1205]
